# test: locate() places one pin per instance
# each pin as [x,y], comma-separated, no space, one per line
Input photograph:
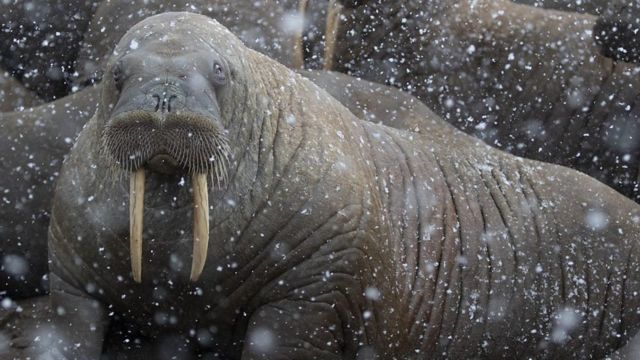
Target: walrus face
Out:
[166,119]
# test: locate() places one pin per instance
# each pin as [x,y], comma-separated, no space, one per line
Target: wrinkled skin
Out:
[530,81]
[372,102]
[368,101]
[453,241]
[33,143]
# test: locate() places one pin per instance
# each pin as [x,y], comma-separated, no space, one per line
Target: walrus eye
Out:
[219,76]
[117,75]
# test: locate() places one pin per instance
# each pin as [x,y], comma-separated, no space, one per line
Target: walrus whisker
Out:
[136,211]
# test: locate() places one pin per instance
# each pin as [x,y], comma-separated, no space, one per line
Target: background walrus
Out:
[369,235]
[33,143]
[530,81]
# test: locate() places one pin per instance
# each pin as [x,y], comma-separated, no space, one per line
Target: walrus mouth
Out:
[140,141]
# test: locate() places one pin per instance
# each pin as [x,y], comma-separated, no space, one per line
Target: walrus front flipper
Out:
[617,31]
[79,323]
[33,329]
[25,330]
[278,331]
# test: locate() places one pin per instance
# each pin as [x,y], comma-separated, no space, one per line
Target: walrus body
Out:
[330,237]
[14,96]
[33,143]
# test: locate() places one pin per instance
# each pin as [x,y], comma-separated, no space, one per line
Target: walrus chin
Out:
[139,141]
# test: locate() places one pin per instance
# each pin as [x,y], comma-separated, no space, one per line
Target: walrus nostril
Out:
[169,102]
[163,102]
[157,97]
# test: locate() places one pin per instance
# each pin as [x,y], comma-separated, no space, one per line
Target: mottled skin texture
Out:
[529,81]
[472,250]
[33,143]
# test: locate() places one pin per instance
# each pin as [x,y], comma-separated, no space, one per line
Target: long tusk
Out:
[200,225]
[136,208]
[331,33]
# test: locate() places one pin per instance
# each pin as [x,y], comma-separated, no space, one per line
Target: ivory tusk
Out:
[200,224]
[136,211]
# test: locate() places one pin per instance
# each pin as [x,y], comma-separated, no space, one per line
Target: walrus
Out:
[527,80]
[14,96]
[33,143]
[594,7]
[309,233]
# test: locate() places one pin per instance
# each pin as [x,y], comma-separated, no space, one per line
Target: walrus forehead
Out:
[179,30]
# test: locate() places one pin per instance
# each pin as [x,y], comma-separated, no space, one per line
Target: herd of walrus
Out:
[291,179]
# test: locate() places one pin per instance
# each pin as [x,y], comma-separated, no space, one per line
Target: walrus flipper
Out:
[79,322]
[33,329]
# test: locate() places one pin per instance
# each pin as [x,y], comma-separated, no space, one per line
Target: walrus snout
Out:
[167,142]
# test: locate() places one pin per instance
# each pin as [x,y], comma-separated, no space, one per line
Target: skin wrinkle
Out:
[406,174]
[529,205]
[623,296]
[260,259]
[454,240]
[532,183]
[507,231]
[459,267]
[473,241]
[535,202]
[417,304]
[292,251]
[512,223]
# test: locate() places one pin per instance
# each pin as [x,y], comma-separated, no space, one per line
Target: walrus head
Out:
[163,86]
